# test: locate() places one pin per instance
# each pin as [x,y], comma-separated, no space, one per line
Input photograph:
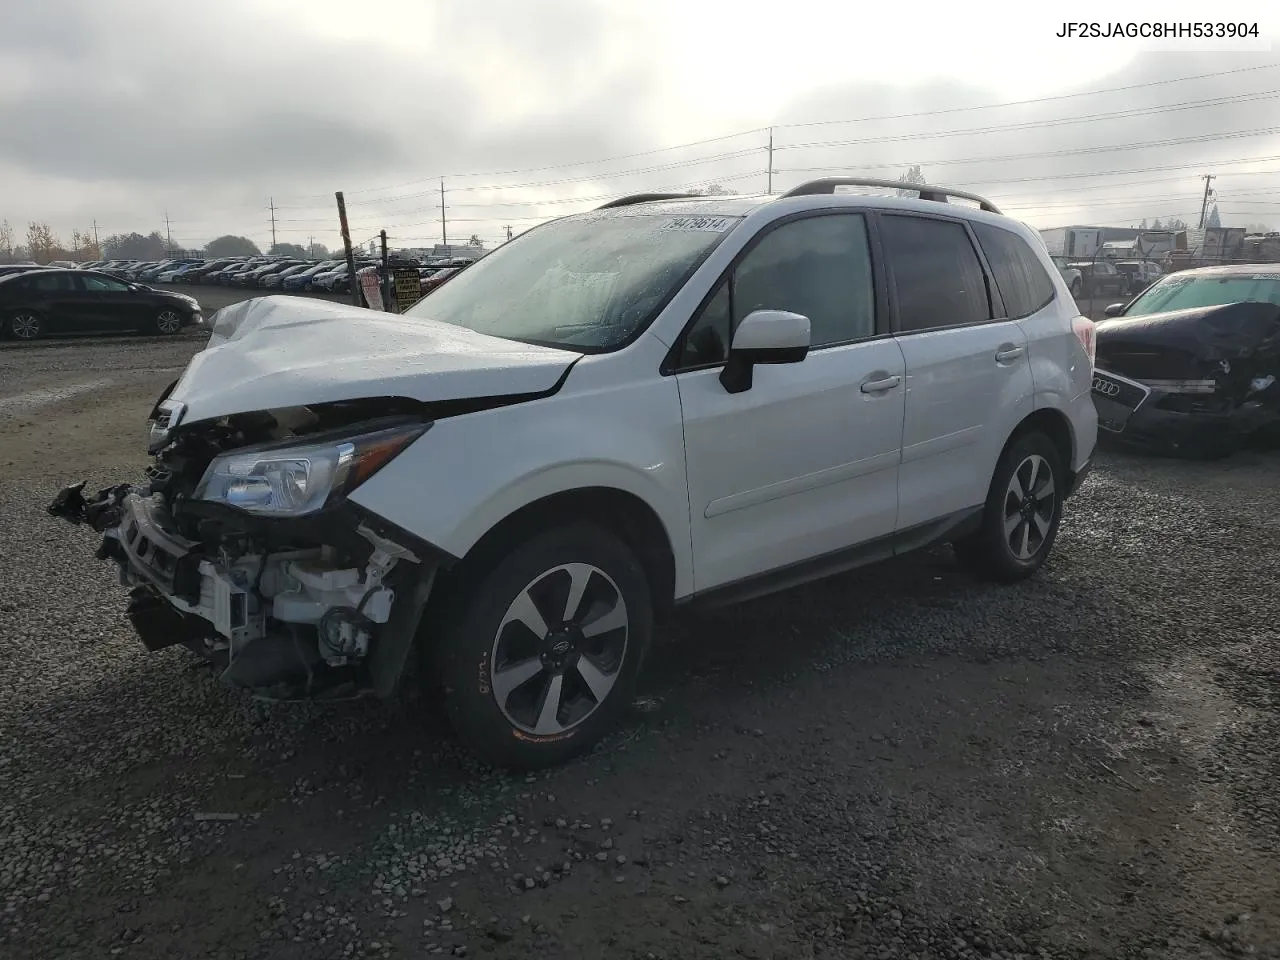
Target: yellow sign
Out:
[408,288]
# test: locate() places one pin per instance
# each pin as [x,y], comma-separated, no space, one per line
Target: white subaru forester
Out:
[662,401]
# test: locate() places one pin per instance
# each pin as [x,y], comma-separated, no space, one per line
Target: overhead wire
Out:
[762,129]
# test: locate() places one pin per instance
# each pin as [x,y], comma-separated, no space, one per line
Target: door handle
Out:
[880,386]
[1005,354]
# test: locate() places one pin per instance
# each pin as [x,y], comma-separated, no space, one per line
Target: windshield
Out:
[1185,292]
[589,283]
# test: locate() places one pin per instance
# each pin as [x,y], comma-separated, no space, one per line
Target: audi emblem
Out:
[1105,388]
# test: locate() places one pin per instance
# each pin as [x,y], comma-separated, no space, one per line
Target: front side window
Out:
[103,284]
[1024,284]
[937,276]
[819,267]
[588,283]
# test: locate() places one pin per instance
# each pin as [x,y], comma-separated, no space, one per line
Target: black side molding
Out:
[954,527]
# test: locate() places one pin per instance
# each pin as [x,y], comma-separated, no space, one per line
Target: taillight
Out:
[1082,327]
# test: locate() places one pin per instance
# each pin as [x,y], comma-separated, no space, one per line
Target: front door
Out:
[116,305]
[805,462]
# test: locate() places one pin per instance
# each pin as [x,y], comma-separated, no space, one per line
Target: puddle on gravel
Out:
[39,398]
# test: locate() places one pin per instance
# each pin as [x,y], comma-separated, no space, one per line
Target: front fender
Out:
[470,472]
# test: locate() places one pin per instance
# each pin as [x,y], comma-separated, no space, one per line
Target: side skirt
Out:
[953,527]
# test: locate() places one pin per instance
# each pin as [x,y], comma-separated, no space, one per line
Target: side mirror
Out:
[764,336]
[1115,310]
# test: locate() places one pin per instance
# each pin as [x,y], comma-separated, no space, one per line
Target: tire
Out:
[167,322]
[998,552]
[25,325]
[504,717]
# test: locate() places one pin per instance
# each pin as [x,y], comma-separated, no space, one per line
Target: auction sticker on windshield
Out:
[712,224]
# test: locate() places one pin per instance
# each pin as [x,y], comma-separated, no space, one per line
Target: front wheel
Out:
[1022,512]
[167,322]
[541,656]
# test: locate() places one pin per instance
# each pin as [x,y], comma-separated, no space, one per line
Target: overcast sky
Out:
[121,112]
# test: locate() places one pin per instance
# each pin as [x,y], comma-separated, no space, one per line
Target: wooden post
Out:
[385,279]
[346,244]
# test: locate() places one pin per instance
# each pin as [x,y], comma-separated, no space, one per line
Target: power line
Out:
[1035,100]
[1037,124]
[1128,114]
[1072,152]
[759,130]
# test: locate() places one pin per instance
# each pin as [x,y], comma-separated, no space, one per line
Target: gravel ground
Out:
[894,763]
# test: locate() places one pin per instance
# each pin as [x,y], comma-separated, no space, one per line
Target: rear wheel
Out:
[167,322]
[25,325]
[540,657]
[1022,512]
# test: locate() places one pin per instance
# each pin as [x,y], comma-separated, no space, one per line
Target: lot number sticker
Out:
[711,224]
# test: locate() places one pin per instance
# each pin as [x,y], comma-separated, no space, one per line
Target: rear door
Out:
[968,376]
[64,302]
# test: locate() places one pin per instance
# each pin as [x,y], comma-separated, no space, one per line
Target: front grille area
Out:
[1147,363]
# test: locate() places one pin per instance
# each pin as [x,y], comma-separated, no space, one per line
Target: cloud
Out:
[1052,171]
[123,112]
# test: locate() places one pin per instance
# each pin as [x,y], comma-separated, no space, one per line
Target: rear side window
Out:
[51,282]
[937,277]
[1023,283]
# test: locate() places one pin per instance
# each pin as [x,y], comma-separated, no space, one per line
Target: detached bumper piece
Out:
[300,623]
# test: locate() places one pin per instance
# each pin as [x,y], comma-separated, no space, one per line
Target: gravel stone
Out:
[1115,716]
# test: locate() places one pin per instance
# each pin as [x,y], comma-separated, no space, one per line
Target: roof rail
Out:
[927,192]
[646,198]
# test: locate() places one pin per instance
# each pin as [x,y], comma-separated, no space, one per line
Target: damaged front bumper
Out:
[281,620]
[1182,417]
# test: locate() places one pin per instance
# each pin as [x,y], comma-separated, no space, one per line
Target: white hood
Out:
[273,352]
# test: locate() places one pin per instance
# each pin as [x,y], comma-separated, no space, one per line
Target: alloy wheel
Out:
[559,649]
[1029,505]
[169,322]
[25,326]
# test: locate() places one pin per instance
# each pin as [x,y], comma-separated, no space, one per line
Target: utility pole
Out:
[1204,204]
[271,205]
[346,244]
[168,235]
[769,188]
[311,246]
[95,234]
[386,273]
[444,227]
[508,231]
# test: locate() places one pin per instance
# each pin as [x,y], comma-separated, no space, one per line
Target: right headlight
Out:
[292,481]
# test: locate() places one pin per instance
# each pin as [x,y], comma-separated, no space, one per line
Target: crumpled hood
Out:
[282,351]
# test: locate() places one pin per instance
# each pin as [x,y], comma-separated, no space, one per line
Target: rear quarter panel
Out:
[1061,372]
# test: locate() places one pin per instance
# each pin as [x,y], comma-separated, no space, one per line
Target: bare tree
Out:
[911,176]
[41,242]
[712,190]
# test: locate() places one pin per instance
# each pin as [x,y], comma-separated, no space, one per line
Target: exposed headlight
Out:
[294,481]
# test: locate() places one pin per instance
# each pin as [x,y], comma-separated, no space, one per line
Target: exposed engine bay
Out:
[1199,381]
[323,604]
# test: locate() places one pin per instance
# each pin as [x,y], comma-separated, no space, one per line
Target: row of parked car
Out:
[1105,278]
[265,273]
